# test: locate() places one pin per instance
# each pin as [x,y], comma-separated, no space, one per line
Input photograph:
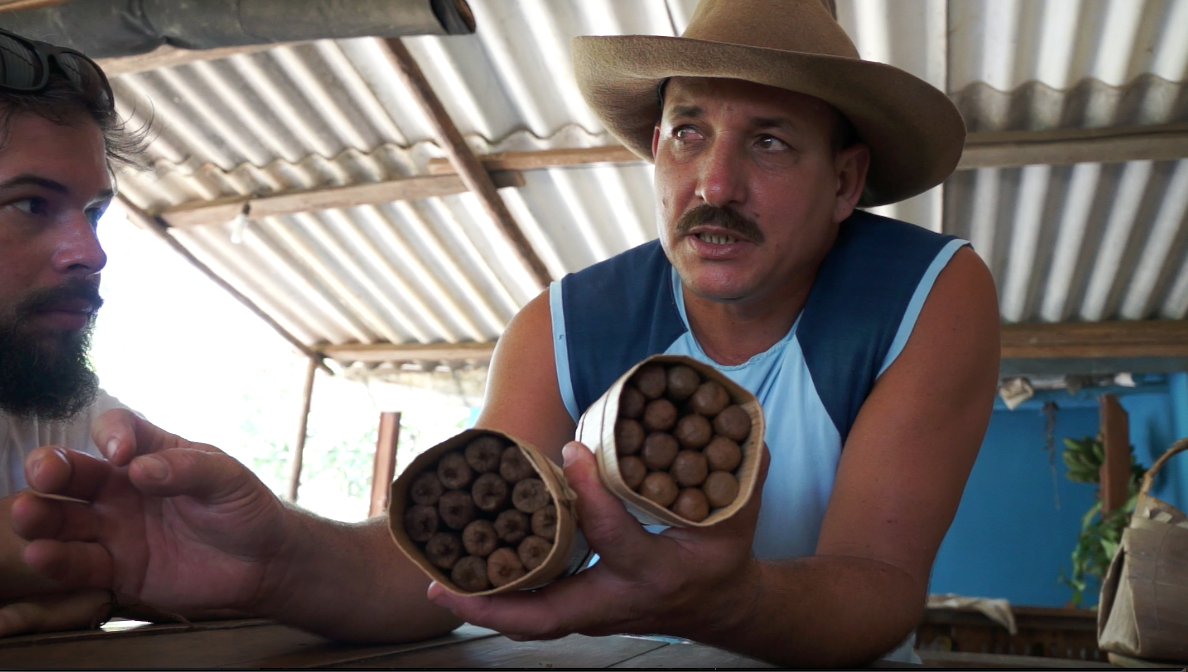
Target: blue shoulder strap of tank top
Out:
[853,314]
[617,312]
[622,310]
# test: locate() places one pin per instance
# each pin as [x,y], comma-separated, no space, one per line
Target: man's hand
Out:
[166,522]
[81,609]
[685,582]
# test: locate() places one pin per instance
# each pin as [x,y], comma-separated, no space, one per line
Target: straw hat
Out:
[914,131]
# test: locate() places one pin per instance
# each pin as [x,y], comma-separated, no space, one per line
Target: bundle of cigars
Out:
[677,440]
[484,513]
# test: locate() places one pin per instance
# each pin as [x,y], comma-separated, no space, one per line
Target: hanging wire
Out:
[1049,413]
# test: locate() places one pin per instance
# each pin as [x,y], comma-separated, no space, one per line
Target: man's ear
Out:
[655,140]
[851,164]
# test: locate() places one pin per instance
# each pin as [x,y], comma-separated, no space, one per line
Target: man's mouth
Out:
[716,239]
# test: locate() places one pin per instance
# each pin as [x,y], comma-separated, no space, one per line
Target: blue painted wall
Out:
[1017,525]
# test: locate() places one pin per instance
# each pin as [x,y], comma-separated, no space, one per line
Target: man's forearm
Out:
[823,610]
[351,583]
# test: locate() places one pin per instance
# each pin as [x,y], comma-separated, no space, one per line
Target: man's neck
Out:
[732,333]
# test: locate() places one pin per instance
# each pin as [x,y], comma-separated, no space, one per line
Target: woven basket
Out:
[570,551]
[1143,612]
[596,429]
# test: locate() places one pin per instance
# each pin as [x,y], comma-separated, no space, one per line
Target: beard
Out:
[45,374]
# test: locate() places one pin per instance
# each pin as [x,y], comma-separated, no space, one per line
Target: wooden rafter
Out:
[14,5]
[982,150]
[166,56]
[407,352]
[1147,338]
[372,193]
[467,166]
[1139,338]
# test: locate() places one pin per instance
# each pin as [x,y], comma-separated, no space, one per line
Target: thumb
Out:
[611,531]
[122,435]
[212,477]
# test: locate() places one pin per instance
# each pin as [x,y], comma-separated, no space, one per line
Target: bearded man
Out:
[58,134]
[872,345]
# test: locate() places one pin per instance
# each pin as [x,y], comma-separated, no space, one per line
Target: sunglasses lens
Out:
[20,67]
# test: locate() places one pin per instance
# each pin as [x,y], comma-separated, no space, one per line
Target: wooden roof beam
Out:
[982,150]
[223,210]
[1083,340]
[465,163]
[1087,340]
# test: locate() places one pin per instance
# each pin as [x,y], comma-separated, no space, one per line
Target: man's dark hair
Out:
[62,102]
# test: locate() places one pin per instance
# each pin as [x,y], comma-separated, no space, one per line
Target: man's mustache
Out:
[46,298]
[726,218]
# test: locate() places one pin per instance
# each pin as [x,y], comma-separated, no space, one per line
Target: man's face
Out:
[54,185]
[750,190]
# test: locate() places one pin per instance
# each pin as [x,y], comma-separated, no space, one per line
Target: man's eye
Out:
[94,214]
[685,133]
[770,143]
[32,206]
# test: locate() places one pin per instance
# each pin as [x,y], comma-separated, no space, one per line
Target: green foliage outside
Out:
[1100,535]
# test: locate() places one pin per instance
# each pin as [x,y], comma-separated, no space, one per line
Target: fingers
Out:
[74,563]
[122,435]
[573,604]
[53,470]
[35,517]
[76,610]
[611,531]
[211,477]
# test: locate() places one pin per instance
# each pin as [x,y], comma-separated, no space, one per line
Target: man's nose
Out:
[722,180]
[78,252]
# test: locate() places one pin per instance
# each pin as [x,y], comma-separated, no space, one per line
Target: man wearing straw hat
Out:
[872,344]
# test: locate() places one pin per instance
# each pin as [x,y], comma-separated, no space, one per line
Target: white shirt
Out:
[19,437]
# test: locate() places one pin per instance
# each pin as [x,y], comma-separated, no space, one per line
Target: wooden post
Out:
[474,176]
[302,430]
[1115,469]
[385,462]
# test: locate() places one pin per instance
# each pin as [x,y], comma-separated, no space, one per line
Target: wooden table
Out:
[265,644]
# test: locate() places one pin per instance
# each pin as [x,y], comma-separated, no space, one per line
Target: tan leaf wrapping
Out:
[1143,610]
[596,429]
[570,551]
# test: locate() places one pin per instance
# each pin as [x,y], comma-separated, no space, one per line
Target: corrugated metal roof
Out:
[1083,242]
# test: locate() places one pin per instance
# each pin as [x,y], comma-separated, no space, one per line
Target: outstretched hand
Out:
[684,582]
[166,522]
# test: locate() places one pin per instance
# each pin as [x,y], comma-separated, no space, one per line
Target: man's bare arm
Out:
[186,528]
[898,485]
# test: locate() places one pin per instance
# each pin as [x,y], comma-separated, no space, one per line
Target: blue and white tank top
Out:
[857,318]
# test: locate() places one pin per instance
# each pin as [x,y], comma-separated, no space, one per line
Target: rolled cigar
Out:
[733,423]
[454,472]
[513,466]
[533,551]
[631,402]
[544,522]
[693,431]
[420,522]
[504,566]
[629,436]
[489,492]
[512,526]
[710,398]
[456,509]
[483,454]
[443,549]
[470,574]
[426,489]
[659,415]
[652,380]
[530,495]
[682,382]
[479,538]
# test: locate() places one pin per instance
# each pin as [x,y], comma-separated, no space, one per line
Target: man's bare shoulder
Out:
[523,397]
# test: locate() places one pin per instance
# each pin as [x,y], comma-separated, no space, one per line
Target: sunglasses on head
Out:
[25,67]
